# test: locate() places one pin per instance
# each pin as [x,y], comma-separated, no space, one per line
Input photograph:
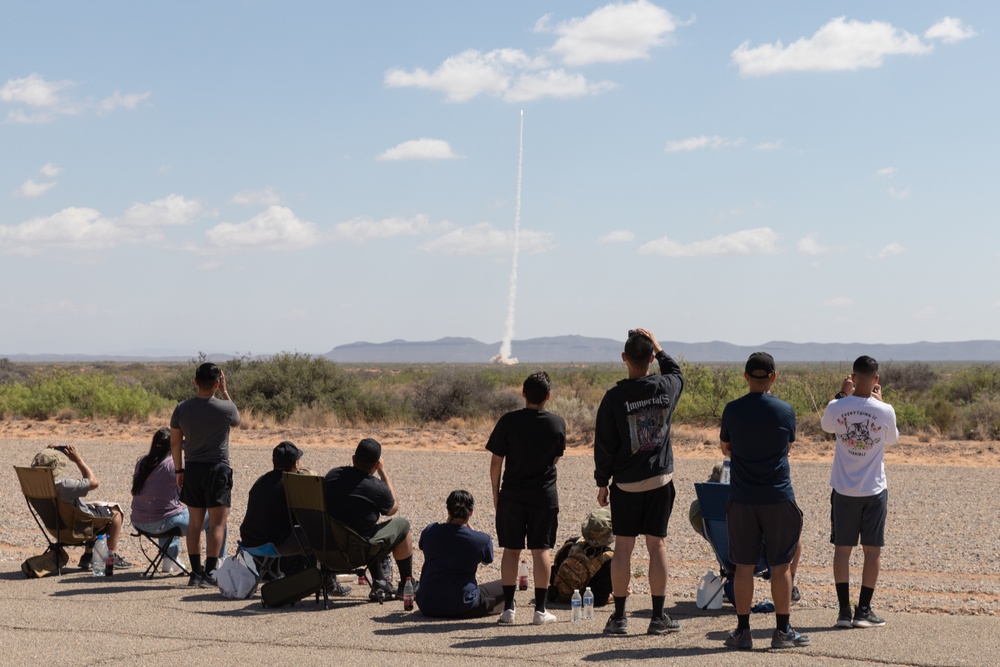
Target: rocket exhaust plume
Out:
[504,356]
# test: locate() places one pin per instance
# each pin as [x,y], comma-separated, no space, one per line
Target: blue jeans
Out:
[181,520]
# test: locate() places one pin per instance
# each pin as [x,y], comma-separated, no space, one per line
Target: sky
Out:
[256,177]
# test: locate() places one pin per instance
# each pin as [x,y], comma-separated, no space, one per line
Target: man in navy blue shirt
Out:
[756,432]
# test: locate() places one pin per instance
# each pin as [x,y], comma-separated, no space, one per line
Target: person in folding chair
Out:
[357,497]
[72,490]
[156,505]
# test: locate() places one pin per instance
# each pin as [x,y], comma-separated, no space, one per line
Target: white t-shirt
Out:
[863,427]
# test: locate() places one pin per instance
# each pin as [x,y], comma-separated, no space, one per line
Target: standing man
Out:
[526,445]
[200,427]
[632,448]
[755,434]
[863,425]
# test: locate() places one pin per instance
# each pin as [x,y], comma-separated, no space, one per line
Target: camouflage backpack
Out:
[580,565]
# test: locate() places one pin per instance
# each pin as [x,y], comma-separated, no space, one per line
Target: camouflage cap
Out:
[596,529]
[50,458]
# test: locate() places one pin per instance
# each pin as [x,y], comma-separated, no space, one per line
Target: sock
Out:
[378,574]
[540,599]
[195,563]
[742,622]
[781,621]
[658,601]
[211,562]
[865,599]
[405,570]
[508,597]
[620,606]
[844,596]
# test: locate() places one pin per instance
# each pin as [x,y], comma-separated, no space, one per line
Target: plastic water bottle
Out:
[724,477]
[408,595]
[522,575]
[99,558]
[588,604]
[576,603]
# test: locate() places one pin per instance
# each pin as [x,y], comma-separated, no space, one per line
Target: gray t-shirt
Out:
[72,491]
[205,423]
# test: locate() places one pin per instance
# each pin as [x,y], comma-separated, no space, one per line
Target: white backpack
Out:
[237,577]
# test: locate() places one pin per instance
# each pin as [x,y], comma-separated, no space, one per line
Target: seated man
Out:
[356,497]
[585,561]
[72,490]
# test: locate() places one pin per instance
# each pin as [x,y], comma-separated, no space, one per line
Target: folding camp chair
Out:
[161,549]
[67,524]
[337,547]
[265,558]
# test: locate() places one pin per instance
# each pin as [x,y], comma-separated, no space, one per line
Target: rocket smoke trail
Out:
[504,356]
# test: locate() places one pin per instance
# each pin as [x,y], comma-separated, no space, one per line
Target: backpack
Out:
[582,562]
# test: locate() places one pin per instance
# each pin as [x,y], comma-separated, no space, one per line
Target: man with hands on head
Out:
[633,468]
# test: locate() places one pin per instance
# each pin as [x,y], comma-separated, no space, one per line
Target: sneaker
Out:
[866,618]
[506,617]
[789,639]
[382,589]
[208,580]
[616,626]
[121,563]
[844,619]
[796,596]
[86,560]
[662,625]
[195,579]
[740,639]
[336,589]
[543,618]
[169,567]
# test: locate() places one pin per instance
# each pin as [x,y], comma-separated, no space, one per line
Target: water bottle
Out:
[408,595]
[576,603]
[99,558]
[588,604]
[522,575]
[724,477]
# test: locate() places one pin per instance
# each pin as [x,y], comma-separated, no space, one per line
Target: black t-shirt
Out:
[356,498]
[529,440]
[266,519]
[759,428]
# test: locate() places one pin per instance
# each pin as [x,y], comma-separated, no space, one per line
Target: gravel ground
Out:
[942,535]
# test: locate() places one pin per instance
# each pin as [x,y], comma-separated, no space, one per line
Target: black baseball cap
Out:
[285,454]
[369,451]
[760,365]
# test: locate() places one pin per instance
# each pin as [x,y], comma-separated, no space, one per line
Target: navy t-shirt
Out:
[452,554]
[529,440]
[759,428]
[356,498]
[266,519]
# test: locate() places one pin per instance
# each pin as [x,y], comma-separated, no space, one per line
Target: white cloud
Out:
[839,302]
[35,91]
[171,210]
[277,228]
[950,30]
[38,100]
[890,250]
[614,33]
[886,172]
[363,229]
[484,239]
[899,194]
[770,145]
[620,236]
[809,245]
[509,74]
[262,197]
[74,227]
[50,170]
[419,149]
[117,100]
[839,45]
[32,189]
[759,241]
[714,142]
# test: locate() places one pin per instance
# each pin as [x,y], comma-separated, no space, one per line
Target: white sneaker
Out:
[169,567]
[543,618]
[507,617]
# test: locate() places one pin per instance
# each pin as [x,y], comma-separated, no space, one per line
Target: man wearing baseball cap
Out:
[266,519]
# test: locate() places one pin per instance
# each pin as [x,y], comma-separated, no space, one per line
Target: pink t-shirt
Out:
[159,497]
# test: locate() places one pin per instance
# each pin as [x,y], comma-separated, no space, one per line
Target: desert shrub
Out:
[982,420]
[972,384]
[910,417]
[461,393]
[707,389]
[90,394]
[942,415]
[912,378]
[580,415]
[11,373]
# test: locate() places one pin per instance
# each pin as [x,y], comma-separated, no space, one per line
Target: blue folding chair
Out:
[265,557]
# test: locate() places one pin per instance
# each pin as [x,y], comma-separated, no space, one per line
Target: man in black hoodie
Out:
[632,447]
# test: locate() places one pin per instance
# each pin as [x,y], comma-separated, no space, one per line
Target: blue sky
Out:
[264,176]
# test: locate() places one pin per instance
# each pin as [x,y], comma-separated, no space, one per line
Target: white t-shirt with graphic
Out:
[863,427]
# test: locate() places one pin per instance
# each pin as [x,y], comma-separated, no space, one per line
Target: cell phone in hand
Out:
[61,448]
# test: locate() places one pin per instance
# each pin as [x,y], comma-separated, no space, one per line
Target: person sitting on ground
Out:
[452,554]
[72,490]
[156,505]
[585,561]
[357,498]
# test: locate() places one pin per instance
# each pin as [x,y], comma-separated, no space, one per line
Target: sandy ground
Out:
[942,537]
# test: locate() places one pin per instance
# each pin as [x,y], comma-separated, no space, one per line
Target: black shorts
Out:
[778,526]
[852,517]
[641,513]
[517,522]
[207,484]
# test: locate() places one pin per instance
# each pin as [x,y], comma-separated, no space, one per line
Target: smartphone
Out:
[61,448]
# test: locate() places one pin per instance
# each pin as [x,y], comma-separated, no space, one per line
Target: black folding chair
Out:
[161,551]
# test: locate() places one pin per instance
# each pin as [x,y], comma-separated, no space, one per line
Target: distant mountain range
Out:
[581,349]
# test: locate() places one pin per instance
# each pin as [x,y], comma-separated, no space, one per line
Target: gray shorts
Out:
[393,531]
[852,517]
[777,526]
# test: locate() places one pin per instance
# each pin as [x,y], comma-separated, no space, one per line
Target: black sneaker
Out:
[662,625]
[796,596]
[194,580]
[789,639]
[740,639]
[86,560]
[382,591]
[208,580]
[616,626]
[866,618]
[844,619]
